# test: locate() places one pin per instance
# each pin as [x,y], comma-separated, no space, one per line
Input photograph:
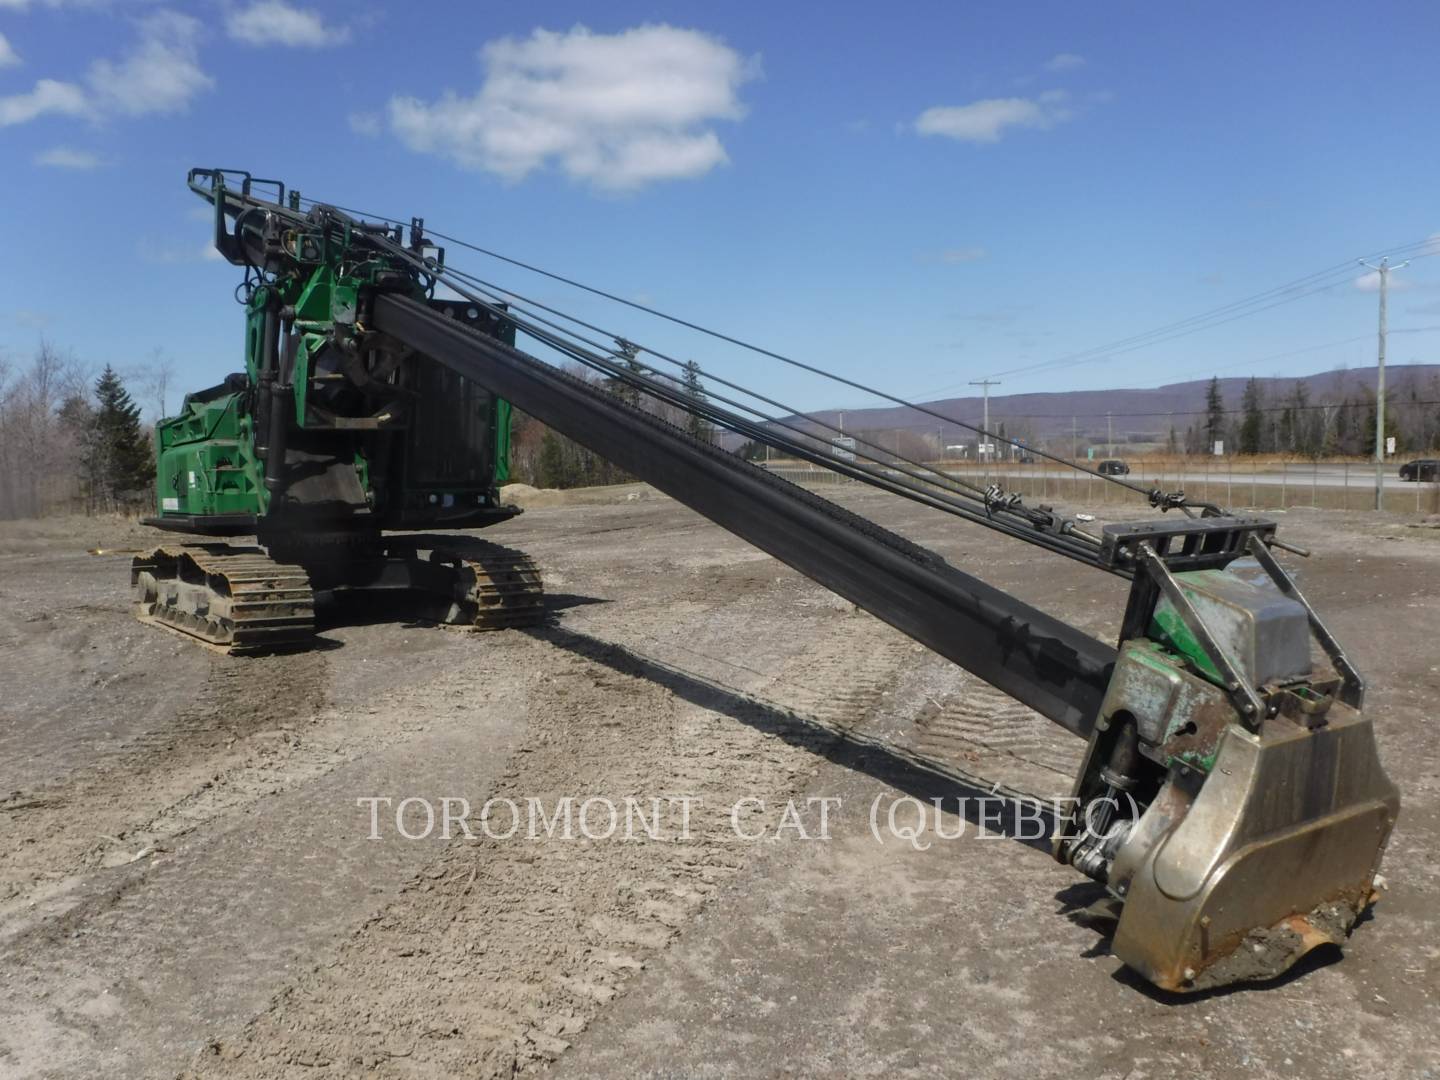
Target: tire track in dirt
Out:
[981,723]
[259,726]
[243,721]
[197,939]
[501,951]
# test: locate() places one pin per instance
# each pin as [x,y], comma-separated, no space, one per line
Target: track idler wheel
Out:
[496,587]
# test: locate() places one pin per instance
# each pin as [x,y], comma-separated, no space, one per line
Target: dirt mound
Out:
[527,497]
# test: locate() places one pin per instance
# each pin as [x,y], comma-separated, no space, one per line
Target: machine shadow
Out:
[850,750]
[378,609]
[1321,956]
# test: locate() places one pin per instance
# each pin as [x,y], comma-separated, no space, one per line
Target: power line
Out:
[1252,361]
[985,385]
[1307,286]
[1383,269]
[1299,289]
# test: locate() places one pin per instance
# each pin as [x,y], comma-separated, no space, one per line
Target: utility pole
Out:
[1384,271]
[985,424]
[1074,440]
[1110,427]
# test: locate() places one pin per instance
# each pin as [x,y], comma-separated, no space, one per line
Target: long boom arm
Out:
[1047,664]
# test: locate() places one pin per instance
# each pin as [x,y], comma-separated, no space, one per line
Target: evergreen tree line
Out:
[1297,424]
[69,443]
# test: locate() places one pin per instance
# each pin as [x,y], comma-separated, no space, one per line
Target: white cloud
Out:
[49,96]
[64,157]
[272,22]
[1399,282]
[366,123]
[985,121]
[8,56]
[964,255]
[1371,283]
[160,75]
[616,111]
[1065,61]
[26,5]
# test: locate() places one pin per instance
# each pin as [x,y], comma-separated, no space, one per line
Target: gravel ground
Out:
[188,885]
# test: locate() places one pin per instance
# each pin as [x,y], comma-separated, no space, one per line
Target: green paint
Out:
[207,461]
[503,420]
[1196,760]
[1167,627]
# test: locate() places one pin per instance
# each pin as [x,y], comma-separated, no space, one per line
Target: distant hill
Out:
[1138,415]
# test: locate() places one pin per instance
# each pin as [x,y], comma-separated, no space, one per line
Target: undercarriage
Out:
[248,599]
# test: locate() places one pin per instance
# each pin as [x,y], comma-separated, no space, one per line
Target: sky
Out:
[914,198]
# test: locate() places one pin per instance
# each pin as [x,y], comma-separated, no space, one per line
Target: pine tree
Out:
[1304,432]
[1192,439]
[551,469]
[116,451]
[1253,424]
[1214,415]
[697,426]
[629,356]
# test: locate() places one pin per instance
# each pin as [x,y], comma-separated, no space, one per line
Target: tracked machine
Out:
[1231,799]
[343,461]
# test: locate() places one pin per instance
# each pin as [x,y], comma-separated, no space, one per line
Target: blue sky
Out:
[915,197]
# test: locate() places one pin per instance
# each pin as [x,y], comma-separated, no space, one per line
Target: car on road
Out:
[1113,467]
[1421,469]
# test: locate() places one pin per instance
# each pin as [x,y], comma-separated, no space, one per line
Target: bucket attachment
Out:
[1232,797]
[1275,854]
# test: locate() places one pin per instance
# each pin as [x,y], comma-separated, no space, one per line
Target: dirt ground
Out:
[188,885]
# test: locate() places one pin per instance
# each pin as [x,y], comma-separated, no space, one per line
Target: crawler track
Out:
[236,599]
[240,600]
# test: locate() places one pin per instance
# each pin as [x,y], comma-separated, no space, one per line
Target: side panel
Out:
[205,461]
